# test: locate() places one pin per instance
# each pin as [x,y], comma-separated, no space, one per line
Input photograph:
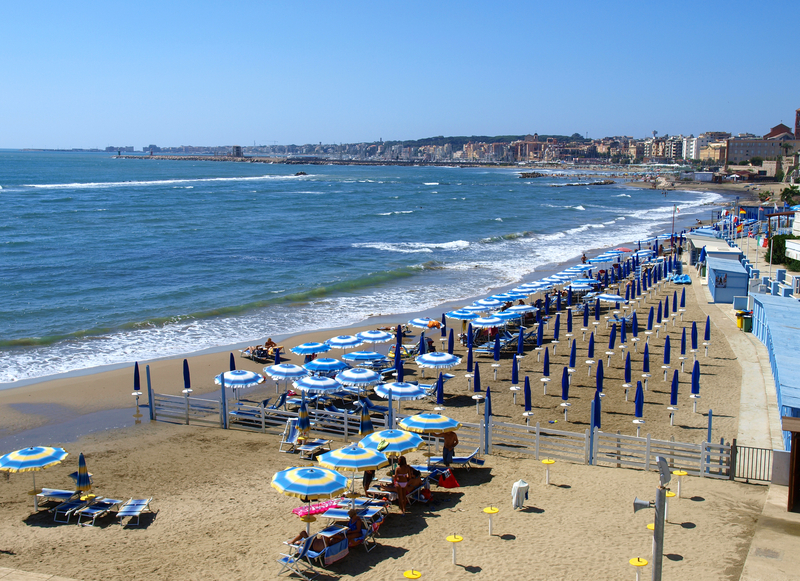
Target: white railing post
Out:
[703,452]
[538,434]
[595,445]
[346,426]
[647,454]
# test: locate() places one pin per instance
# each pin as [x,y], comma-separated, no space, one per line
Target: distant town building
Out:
[236,151]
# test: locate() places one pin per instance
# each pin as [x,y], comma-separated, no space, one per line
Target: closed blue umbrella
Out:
[597,310]
[627,293]
[623,334]
[667,350]
[683,342]
[469,359]
[702,257]
[694,335]
[487,410]
[546,370]
[572,354]
[476,381]
[450,342]
[646,359]
[707,333]
[497,347]
[303,421]
[514,371]
[569,296]
[650,320]
[628,367]
[443,326]
[666,307]
[659,313]
[521,341]
[527,392]
[539,335]
[440,390]
[547,304]
[399,370]
[696,378]
[558,302]
[422,347]
[557,326]
[639,286]
[277,355]
[137,382]
[600,376]
[674,301]
[565,385]
[639,401]
[232,363]
[569,321]
[469,335]
[612,337]
[591,346]
[644,283]
[673,395]
[683,297]
[597,419]
[586,315]
[83,482]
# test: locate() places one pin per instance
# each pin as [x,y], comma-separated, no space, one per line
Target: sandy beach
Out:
[218,517]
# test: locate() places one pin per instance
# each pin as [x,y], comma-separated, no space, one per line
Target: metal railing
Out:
[751,463]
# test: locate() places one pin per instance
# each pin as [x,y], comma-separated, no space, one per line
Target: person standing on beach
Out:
[583,258]
[448,447]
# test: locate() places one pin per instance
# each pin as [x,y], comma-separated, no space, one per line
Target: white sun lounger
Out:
[133,508]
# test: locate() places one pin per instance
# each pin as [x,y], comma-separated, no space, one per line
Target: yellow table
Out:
[680,474]
[547,462]
[491,511]
[412,574]
[454,538]
[638,562]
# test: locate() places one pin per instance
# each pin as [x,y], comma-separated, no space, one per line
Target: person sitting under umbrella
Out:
[319,543]
[406,479]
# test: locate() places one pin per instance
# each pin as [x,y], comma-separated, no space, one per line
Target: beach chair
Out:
[55,495]
[298,562]
[309,448]
[68,508]
[373,407]
[97,509]
[463,461]
[134,508]
[289,437]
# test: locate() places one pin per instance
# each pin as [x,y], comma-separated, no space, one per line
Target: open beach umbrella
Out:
[83,482]
[573,354]
[353,458]
[309,483]
[514,371]
[598,415]
[496,353]
[422,322]
[650,320]
[241,378]
[398,442]
[667,350]
[646,359]
[462,315]
[673,394]
[546,367]
[422,345]
[707,332]
[489,303]
[683,297]
[476,381]
[317,384]
[365,427]
[694,335]
[137,382]
[303,421]
[586,315]
[527,394]
[344,342]
[358,376]
[696,378]
[375,336]
[634,325]
[325,365]
[469,359]
[32,460]
[450,342]
[600,376]
[284,371]
[590,351]
[486,322]
[438,360]
[638,402]
[427,423]
[362,356]
[400,390]
[565,385]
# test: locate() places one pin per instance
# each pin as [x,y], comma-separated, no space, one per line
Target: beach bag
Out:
[447,480]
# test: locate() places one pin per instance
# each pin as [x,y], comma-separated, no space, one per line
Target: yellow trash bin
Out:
[740,319]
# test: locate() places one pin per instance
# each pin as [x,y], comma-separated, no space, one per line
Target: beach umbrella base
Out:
[627,386]
[666,369]
[672,410]
[514,389]
[527,418]
[565,405]
[694,397]
[638,426]
[495,366]
[477,398]
[645,376]
[589,362]
[545,381]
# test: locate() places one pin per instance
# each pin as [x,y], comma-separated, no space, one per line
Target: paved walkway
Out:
[773,554]
[17,575]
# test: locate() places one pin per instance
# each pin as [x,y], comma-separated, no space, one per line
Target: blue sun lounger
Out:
[70,507]
[464,461]
[55,495]
[97,509]
[134,508]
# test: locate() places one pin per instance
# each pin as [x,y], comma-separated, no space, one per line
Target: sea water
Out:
[106,261]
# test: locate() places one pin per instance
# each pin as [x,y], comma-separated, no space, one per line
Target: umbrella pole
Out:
[35,495]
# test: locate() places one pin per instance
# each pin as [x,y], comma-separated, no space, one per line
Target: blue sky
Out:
[90,74]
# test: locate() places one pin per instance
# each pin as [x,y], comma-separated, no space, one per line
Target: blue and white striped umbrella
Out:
[476,308]
[429,424]
[310,348]
[422,322]
[31,459]
[358,376]
[344,342]
[317,384]
[438,360]
[325,365]
[607,298]
[239,378]
[520,309]
[309,483]
[462,315]
[509,296]
[362,356]
[284,371]
[375,336]
[392,442]
[492,303]
[483,322]
[400,390]
[353,458]
[507,315]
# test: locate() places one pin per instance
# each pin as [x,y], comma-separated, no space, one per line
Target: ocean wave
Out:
[622,196]
[135,183]
[431,184]
[578,207]
[396,212]
[413,247]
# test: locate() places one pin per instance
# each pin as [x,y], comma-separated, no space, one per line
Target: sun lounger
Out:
[373,407]
[98,508]
[134,508]
[290,435]
[298,562]
[55,495]
[68,508]
[310,448]
[463,461]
